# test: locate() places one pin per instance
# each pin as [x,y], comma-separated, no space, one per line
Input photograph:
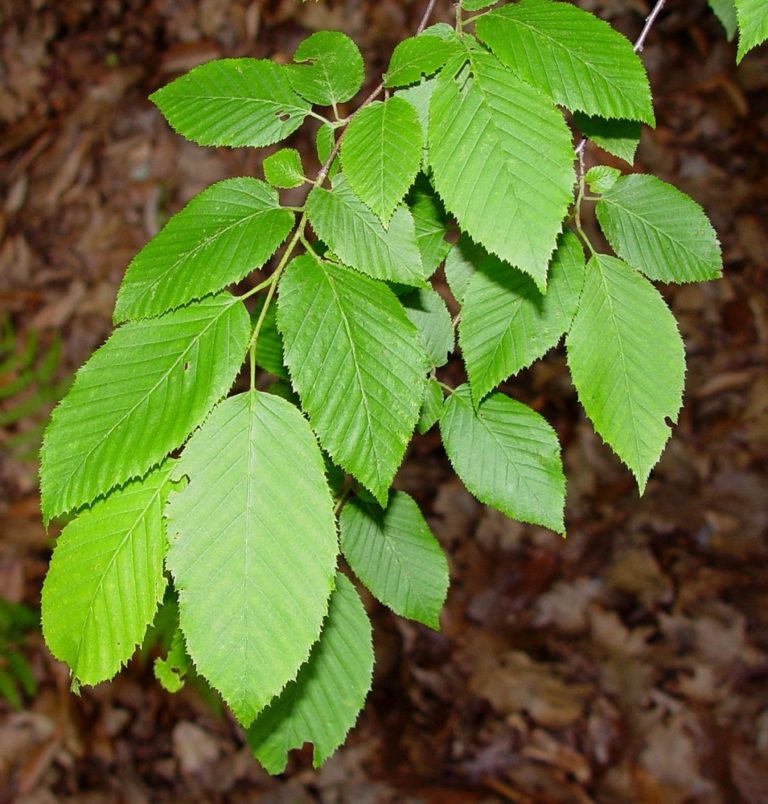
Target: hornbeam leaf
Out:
[393,552]
[627,361]
[752,17]
[252,556]
[138,397]
[342,221]
[381,153]
[227,231]
[617,137]
[427,310]
[324,701]
[659,230]
[502,161]
[725,10]
[106,579]
[329,68]
[431,225]
[506,323]
[233,102]
[416,57]
[507,456]
[357,363]
[579,60]
[284,169]
[431,407]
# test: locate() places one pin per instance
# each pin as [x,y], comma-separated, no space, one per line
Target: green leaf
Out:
[601,178]
[269,346]
[461,263]
[659,230]
[172,670]
[329,68]
[138,397]
[431,407]
[725,10]
[233,102]
[322,705]
[617,137]
[357,363]
[502,162]
[580,61]
[507,323]
[428,313]
[420,96]
[106,579]
[357,236]
[507,456]
[431,225]
[223,234]
[416,57]
[752,17]
[627,361]
[393,552]
[325,139]
[381,153]
[284,169]
[252,556]
[476,5]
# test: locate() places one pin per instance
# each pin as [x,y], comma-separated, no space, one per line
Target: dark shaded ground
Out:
[628,663]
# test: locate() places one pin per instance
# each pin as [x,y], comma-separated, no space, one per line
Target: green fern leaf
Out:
[252,557]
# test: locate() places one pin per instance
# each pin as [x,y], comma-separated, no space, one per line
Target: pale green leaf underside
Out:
[428,313]
[659,230]
[357,363]
[580,61]
[393,552]
[752,16]
[506,322]
[324,701]
[223,234]
[430,221]
[502,161]
[381,153]
[431,407]
[461,262]
[507,456]
[284,169]
[138,397]
[252,556]
[627,361]
[329,68]
[106,579]
[617,137]
[342,221]
[416,57]
[726,13]
[235,102]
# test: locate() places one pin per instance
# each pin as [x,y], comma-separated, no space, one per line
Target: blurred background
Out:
[626,663]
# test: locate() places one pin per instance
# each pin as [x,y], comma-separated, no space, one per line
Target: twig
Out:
[425,17]
[640,43]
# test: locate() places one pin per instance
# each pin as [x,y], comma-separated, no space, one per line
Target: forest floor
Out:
[627,663]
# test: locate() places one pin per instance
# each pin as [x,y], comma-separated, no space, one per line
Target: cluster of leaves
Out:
[242,522]
[16,620]
[747,18]
[28,388]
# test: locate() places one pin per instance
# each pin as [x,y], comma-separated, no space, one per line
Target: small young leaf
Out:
[431,407]
[252,557]
[106,579]
[324,701]
[381,153]
[507,456]
[752,17]
[725,10]
[329,68]
[393,552]
[172,670]
[227,231]
[427,311]
[659,230]
[617,137]
[577,59]
[138,397]
[627,361]
[510,187]
[417,57]
[284,169]
[357,363]
[233,102]
[357,236]
[601,178]
[506,323]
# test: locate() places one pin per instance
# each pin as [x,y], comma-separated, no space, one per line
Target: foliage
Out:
[16,677]
[233,501]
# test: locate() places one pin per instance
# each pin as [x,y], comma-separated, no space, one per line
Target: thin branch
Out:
[425,17]
[640,43]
